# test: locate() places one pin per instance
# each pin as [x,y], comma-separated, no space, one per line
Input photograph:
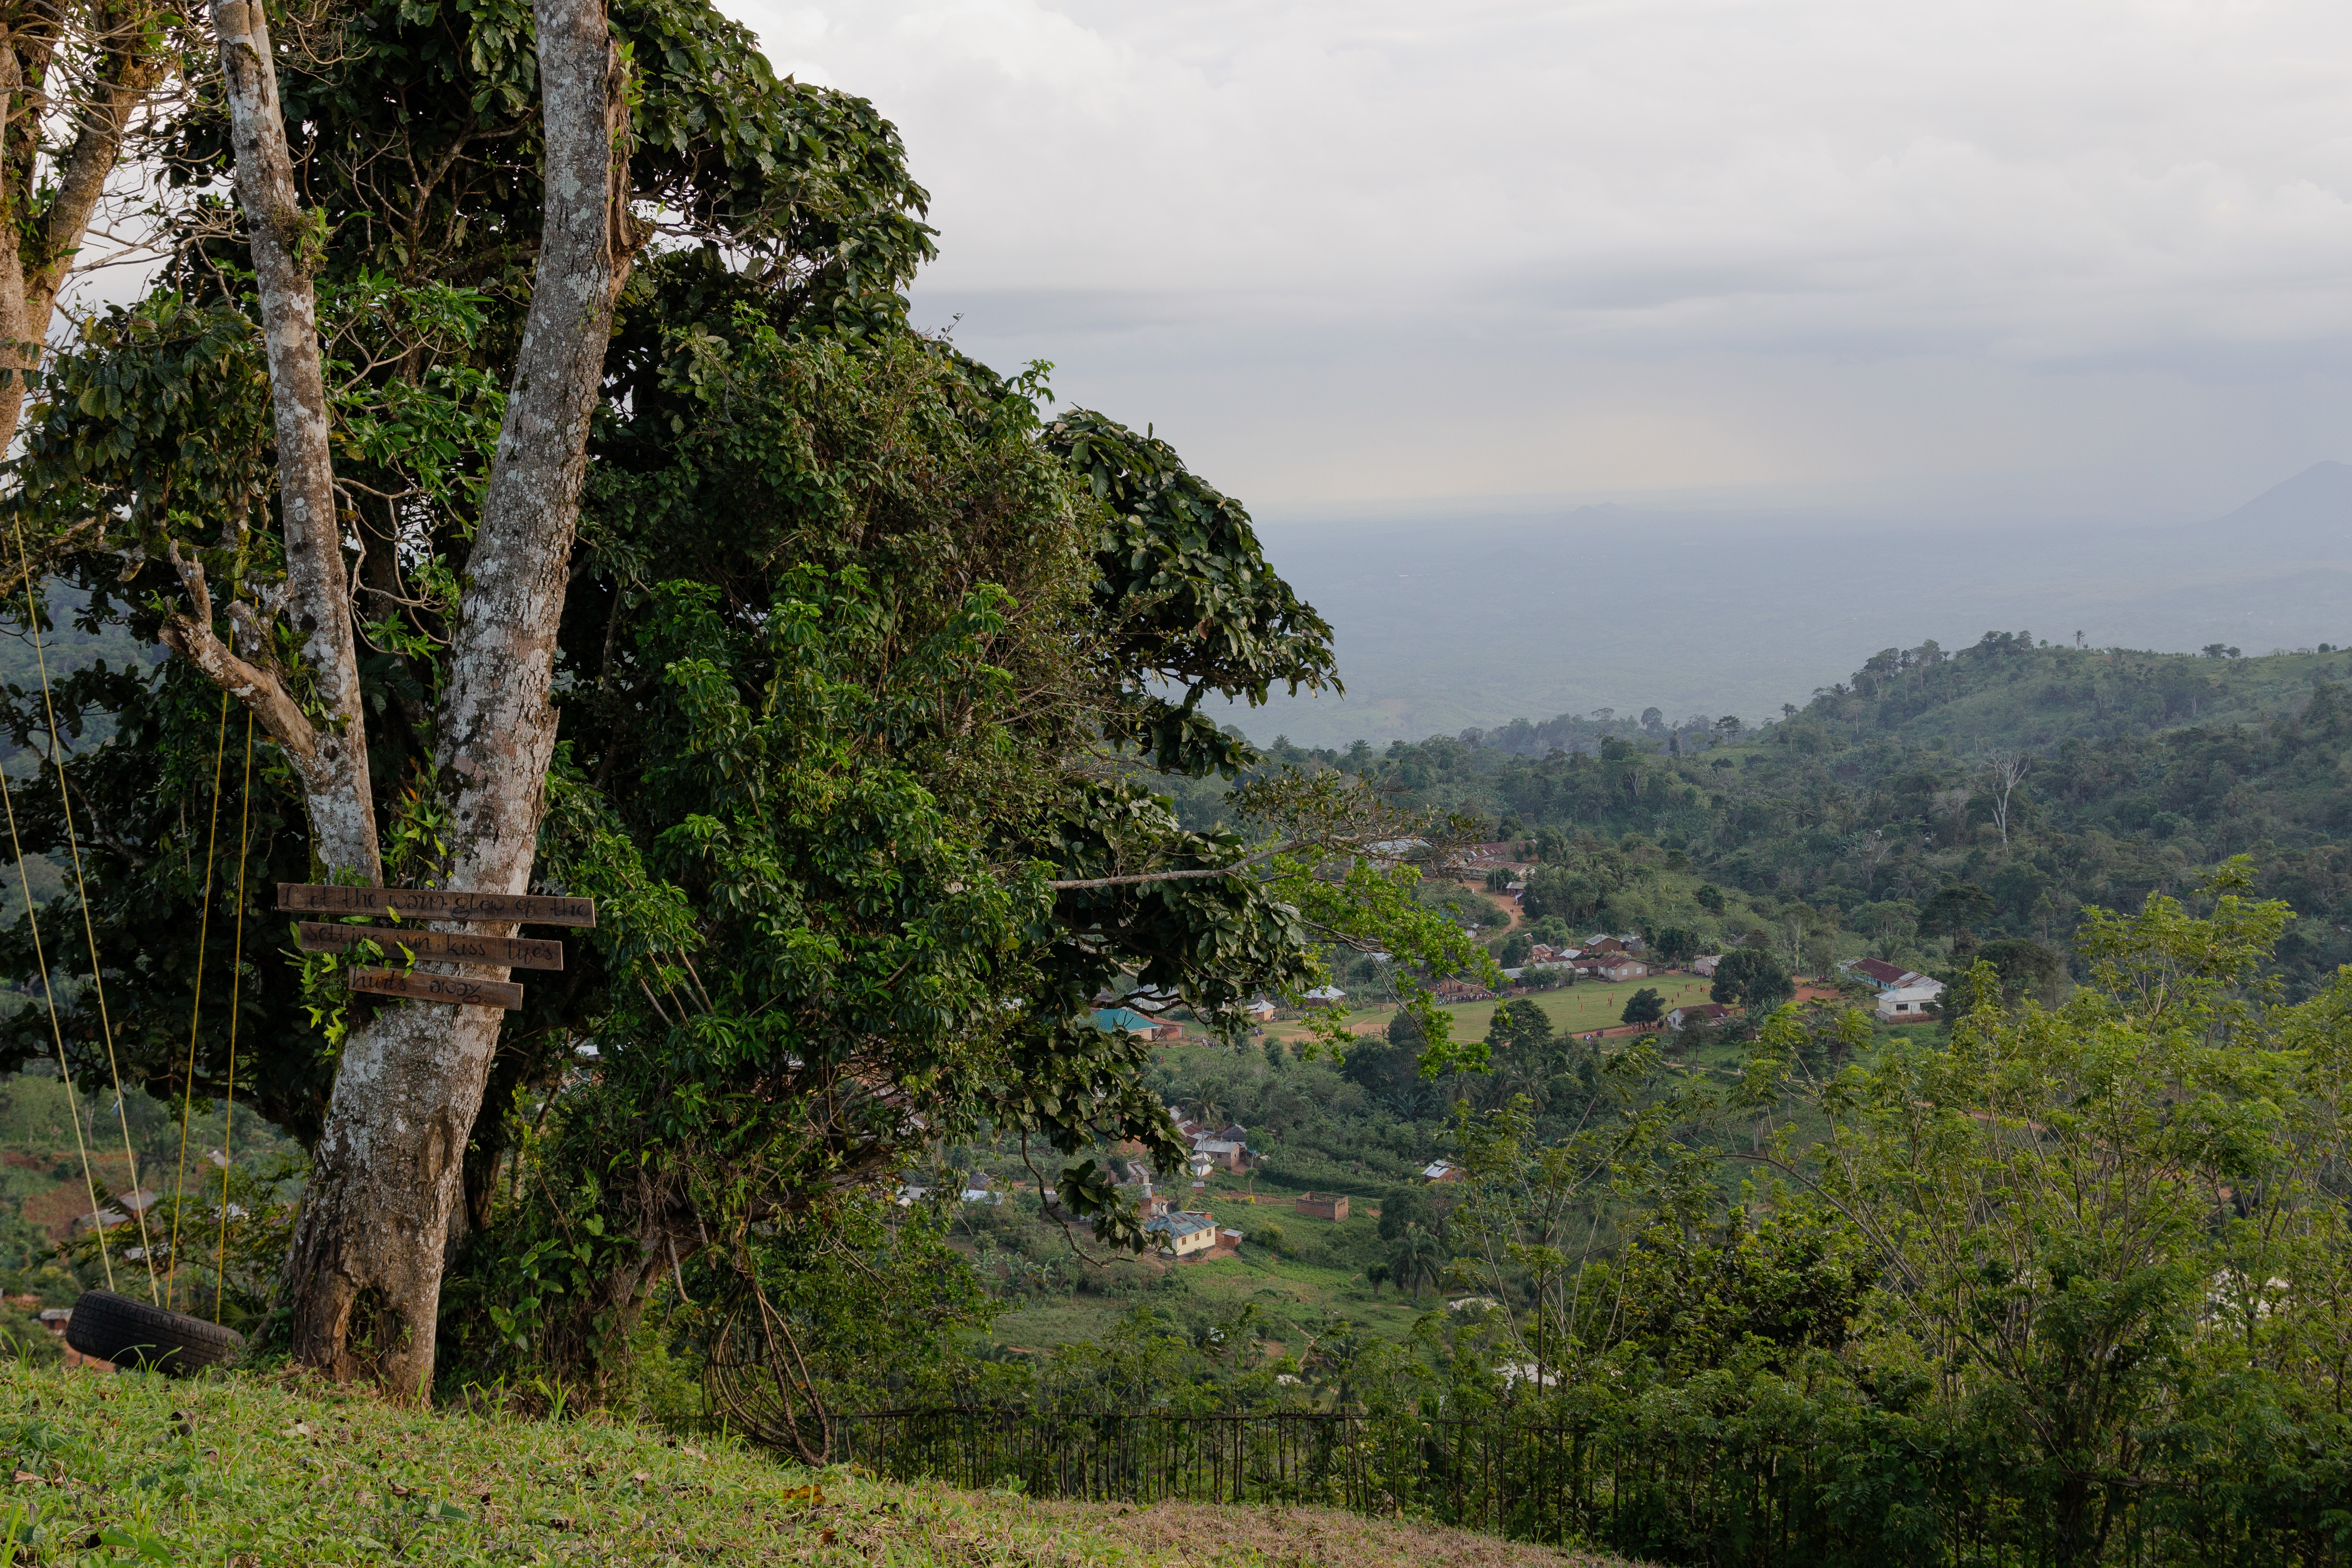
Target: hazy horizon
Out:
[2063,266]
[1445,623]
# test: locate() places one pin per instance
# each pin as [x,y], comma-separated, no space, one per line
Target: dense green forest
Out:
[2096,849]
[1869,821]
[2046,777]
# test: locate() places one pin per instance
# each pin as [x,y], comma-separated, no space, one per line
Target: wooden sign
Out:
[435,904]
[463,947]
[423,987]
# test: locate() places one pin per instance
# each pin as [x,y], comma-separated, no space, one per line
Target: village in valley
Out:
[1292,1206]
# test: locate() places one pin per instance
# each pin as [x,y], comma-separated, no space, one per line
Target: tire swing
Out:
[110,1327]
[127,1332]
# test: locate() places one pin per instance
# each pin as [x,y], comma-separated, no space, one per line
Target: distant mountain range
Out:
[1448,622]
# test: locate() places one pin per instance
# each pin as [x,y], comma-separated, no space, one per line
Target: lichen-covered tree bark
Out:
[368,1253]
[326,745]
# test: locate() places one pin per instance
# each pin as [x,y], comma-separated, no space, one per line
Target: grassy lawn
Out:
[1283,1287]
[1586,1005]
[1297,1289]
[248,1471]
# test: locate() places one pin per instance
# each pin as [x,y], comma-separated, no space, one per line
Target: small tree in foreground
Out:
[2087,1214]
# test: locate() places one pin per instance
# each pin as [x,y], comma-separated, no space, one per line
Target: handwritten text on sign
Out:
[435,904]
[462,947]
[453,988]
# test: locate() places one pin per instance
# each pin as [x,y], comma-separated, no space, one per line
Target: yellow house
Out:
[1183,1233]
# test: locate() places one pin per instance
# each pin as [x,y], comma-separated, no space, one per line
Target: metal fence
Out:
[1533,1484]
[1530,1474]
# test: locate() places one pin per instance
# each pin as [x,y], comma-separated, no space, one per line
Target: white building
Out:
[1907,1001]
[1222,1152]
[978,1189]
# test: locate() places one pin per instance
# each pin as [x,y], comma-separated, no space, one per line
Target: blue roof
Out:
[1179,1224]
[1110,1018]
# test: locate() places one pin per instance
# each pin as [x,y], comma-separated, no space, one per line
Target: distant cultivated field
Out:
[1587,1004]
[1287,1291]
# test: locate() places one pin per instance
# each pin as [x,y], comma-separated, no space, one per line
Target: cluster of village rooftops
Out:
[1191,1233]
[1903,995]
[1185,1233]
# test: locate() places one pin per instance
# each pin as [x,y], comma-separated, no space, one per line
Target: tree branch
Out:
[134,68]
[41,555]
[1198,873]
[191,636]
[496,723]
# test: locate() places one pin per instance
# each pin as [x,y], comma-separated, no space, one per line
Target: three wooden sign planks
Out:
[456,947]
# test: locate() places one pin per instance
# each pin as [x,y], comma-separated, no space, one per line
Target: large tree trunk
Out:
[332,761]
[387,1176]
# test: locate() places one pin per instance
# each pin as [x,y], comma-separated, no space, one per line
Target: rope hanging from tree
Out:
[56,1032]
[235,994]
[89,934]
[195,1010]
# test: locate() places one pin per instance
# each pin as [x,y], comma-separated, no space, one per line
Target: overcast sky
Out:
[2016,257]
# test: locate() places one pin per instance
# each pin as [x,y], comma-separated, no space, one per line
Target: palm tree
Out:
[1520,1073]
[1417,1256]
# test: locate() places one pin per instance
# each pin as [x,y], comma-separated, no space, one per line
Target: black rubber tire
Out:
[131,1332]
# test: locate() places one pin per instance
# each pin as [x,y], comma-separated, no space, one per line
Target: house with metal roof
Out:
[1881,975]
[1183,1233]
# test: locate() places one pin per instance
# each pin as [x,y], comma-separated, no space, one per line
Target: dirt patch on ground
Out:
[55,1209]
[1311,1537]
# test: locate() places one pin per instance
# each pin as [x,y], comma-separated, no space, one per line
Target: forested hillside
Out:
[2044,777]
[2009,691]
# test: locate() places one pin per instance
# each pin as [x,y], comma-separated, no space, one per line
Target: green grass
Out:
[1287,1291]
[1291,1288]
[1291,1293]
[1586,1005]
[255,1472]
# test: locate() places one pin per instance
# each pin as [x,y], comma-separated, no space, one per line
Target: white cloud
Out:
[1031,46]
[1371,247]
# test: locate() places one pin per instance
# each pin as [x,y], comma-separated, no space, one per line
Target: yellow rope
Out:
[73,1110]
[89,930]
[236,994]
[195,1011]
